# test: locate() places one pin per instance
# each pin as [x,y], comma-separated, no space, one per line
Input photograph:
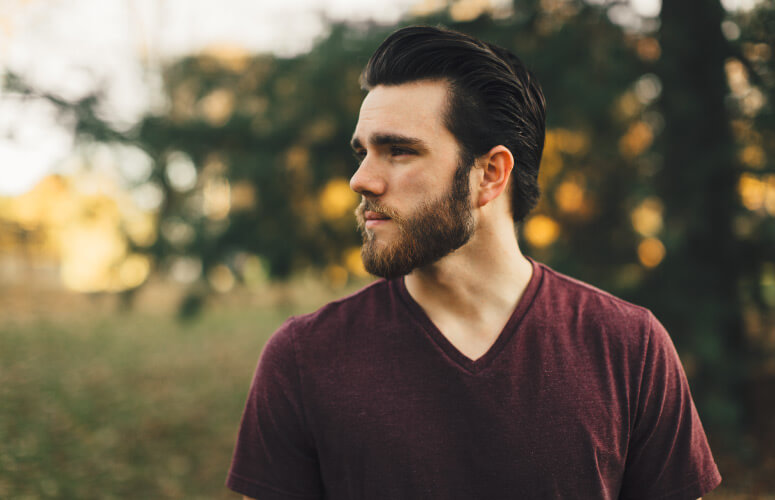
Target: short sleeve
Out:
[668,456]
[274,458]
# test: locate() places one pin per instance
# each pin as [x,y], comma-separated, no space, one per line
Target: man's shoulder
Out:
[350,328]
[571,296]
[358,308]
[586,316]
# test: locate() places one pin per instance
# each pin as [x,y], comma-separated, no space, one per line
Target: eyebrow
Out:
[389,140]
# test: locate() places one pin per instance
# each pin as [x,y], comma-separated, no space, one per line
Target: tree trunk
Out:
[702,271]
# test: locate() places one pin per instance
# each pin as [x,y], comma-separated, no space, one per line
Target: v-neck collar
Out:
[463,361]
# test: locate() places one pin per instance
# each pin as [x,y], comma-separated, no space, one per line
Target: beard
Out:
[435,229]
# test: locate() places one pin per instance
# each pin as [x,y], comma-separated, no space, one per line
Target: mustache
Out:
[367,205]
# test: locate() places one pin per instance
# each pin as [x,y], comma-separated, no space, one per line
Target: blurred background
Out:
[174,183]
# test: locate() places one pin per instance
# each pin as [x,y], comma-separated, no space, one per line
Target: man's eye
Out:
[397,151]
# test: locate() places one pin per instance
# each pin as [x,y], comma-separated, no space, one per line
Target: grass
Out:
[129,406]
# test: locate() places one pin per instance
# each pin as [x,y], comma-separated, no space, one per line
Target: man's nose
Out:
[367,180]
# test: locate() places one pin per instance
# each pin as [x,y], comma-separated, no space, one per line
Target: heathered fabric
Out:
[581,396]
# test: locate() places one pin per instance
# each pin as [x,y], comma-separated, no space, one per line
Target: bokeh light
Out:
[541,230]
[337,199]
[651,251]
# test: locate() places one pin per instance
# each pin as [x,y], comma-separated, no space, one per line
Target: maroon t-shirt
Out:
[581,396]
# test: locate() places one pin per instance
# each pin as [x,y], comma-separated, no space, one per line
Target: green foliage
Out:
[285,138]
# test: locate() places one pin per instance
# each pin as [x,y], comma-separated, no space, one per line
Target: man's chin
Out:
[383,260]
[388,273]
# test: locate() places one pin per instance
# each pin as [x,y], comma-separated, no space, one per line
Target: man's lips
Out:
[369,215]
[374,219]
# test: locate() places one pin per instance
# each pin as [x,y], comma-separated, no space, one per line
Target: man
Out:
[470,371]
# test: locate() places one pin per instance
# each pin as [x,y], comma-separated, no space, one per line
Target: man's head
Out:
[438,102]
[493,98]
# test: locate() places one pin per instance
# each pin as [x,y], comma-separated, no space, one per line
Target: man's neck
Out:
[481,281]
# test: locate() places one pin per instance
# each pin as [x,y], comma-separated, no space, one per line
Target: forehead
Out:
[413,109]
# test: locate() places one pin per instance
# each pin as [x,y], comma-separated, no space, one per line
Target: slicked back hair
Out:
[493,99]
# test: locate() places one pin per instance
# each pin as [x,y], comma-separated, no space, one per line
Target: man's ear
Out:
[496,166]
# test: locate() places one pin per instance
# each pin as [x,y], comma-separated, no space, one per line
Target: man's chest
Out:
[428,423]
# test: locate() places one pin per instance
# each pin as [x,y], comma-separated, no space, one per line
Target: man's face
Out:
[416,205]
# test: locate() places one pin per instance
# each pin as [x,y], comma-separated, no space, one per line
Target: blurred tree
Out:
[703,265]
[750,70]
[251,164]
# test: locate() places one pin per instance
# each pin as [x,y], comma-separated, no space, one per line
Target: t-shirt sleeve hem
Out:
[692,491]
[259,491]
